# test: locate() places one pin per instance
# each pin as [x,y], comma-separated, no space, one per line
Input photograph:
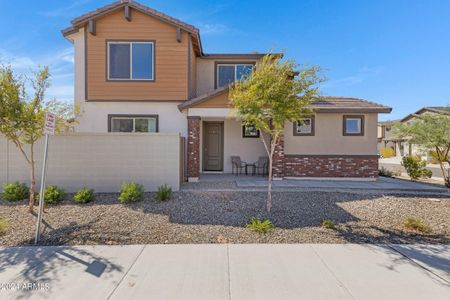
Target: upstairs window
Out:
[353,125]
[131,61]
[229,73]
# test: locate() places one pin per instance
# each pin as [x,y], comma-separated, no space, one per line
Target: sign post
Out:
[49,129]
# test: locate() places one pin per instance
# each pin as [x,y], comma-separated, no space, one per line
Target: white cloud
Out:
[61,92]
[363,74]
[59,62]
[213,29]
[63,11]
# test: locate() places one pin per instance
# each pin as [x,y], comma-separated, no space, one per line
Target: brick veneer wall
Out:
[331,166]
[278,159]
[193,147]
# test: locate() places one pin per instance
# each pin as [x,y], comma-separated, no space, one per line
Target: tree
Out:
[22,116]
[431,131]
[274,94]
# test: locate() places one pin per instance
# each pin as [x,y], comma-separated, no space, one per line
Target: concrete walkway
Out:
[382,183]
[227,272]
[228,182]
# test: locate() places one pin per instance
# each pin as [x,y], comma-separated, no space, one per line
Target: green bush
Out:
[329,224]
[387,152]
[416,224]
[3,225]
[415,167]
[52,194]
[84,195]
[15,191]
[260,226]
[164,193]
[131,192]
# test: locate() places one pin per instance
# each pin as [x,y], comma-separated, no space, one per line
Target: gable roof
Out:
[107,9]
[323,104]
[203,98]
[445,110]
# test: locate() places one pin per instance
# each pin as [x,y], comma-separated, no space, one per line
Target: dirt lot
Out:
[220,217]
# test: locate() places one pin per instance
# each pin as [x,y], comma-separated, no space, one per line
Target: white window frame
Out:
[131,60]
[230,65]
[134,123]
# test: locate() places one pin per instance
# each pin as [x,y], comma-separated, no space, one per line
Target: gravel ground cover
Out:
[220,217]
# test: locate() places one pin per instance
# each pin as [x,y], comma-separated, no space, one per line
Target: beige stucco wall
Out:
[249,149]
[329,140]
[205,73]
[100,161]
[79,66]
[94,115]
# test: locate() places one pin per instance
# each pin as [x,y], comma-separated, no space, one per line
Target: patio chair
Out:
[237,165]
[262,165]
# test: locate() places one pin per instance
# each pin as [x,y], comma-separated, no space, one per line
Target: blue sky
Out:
[395,52]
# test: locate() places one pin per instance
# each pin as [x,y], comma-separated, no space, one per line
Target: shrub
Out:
[387,152]
[52,194]
[415,167]
[84,195]
[131,192]
[416,224]
[3,225]
[15,191]
[164,193]
[435,158]
[329,224]
[260,226]
[388,173]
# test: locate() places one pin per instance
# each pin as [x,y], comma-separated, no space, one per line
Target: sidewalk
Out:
[301,271]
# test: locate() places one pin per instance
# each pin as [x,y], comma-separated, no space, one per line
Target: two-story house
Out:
[139,70]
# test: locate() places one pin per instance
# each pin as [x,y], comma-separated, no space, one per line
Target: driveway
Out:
[226,272]
[394,164]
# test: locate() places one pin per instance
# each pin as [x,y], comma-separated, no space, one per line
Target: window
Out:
[250,131]
[353,125]
[304,126]
[131,60]
[133,123]
[229,73]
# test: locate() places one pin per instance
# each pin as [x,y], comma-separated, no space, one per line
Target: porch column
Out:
[278,159]
[193,149]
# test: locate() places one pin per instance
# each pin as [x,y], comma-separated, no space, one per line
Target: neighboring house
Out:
[138,70]
[387,139]
[401,147]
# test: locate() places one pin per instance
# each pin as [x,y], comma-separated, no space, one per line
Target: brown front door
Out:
[212,146]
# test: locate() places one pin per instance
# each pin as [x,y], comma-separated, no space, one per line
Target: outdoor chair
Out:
[237,165]
[262,165]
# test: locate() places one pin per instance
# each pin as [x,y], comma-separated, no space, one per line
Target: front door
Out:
[213,146]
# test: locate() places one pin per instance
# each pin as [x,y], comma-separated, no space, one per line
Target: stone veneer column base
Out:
[193,149]
[278,160]
[351,166]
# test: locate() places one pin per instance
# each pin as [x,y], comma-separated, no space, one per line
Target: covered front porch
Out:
[216,139]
